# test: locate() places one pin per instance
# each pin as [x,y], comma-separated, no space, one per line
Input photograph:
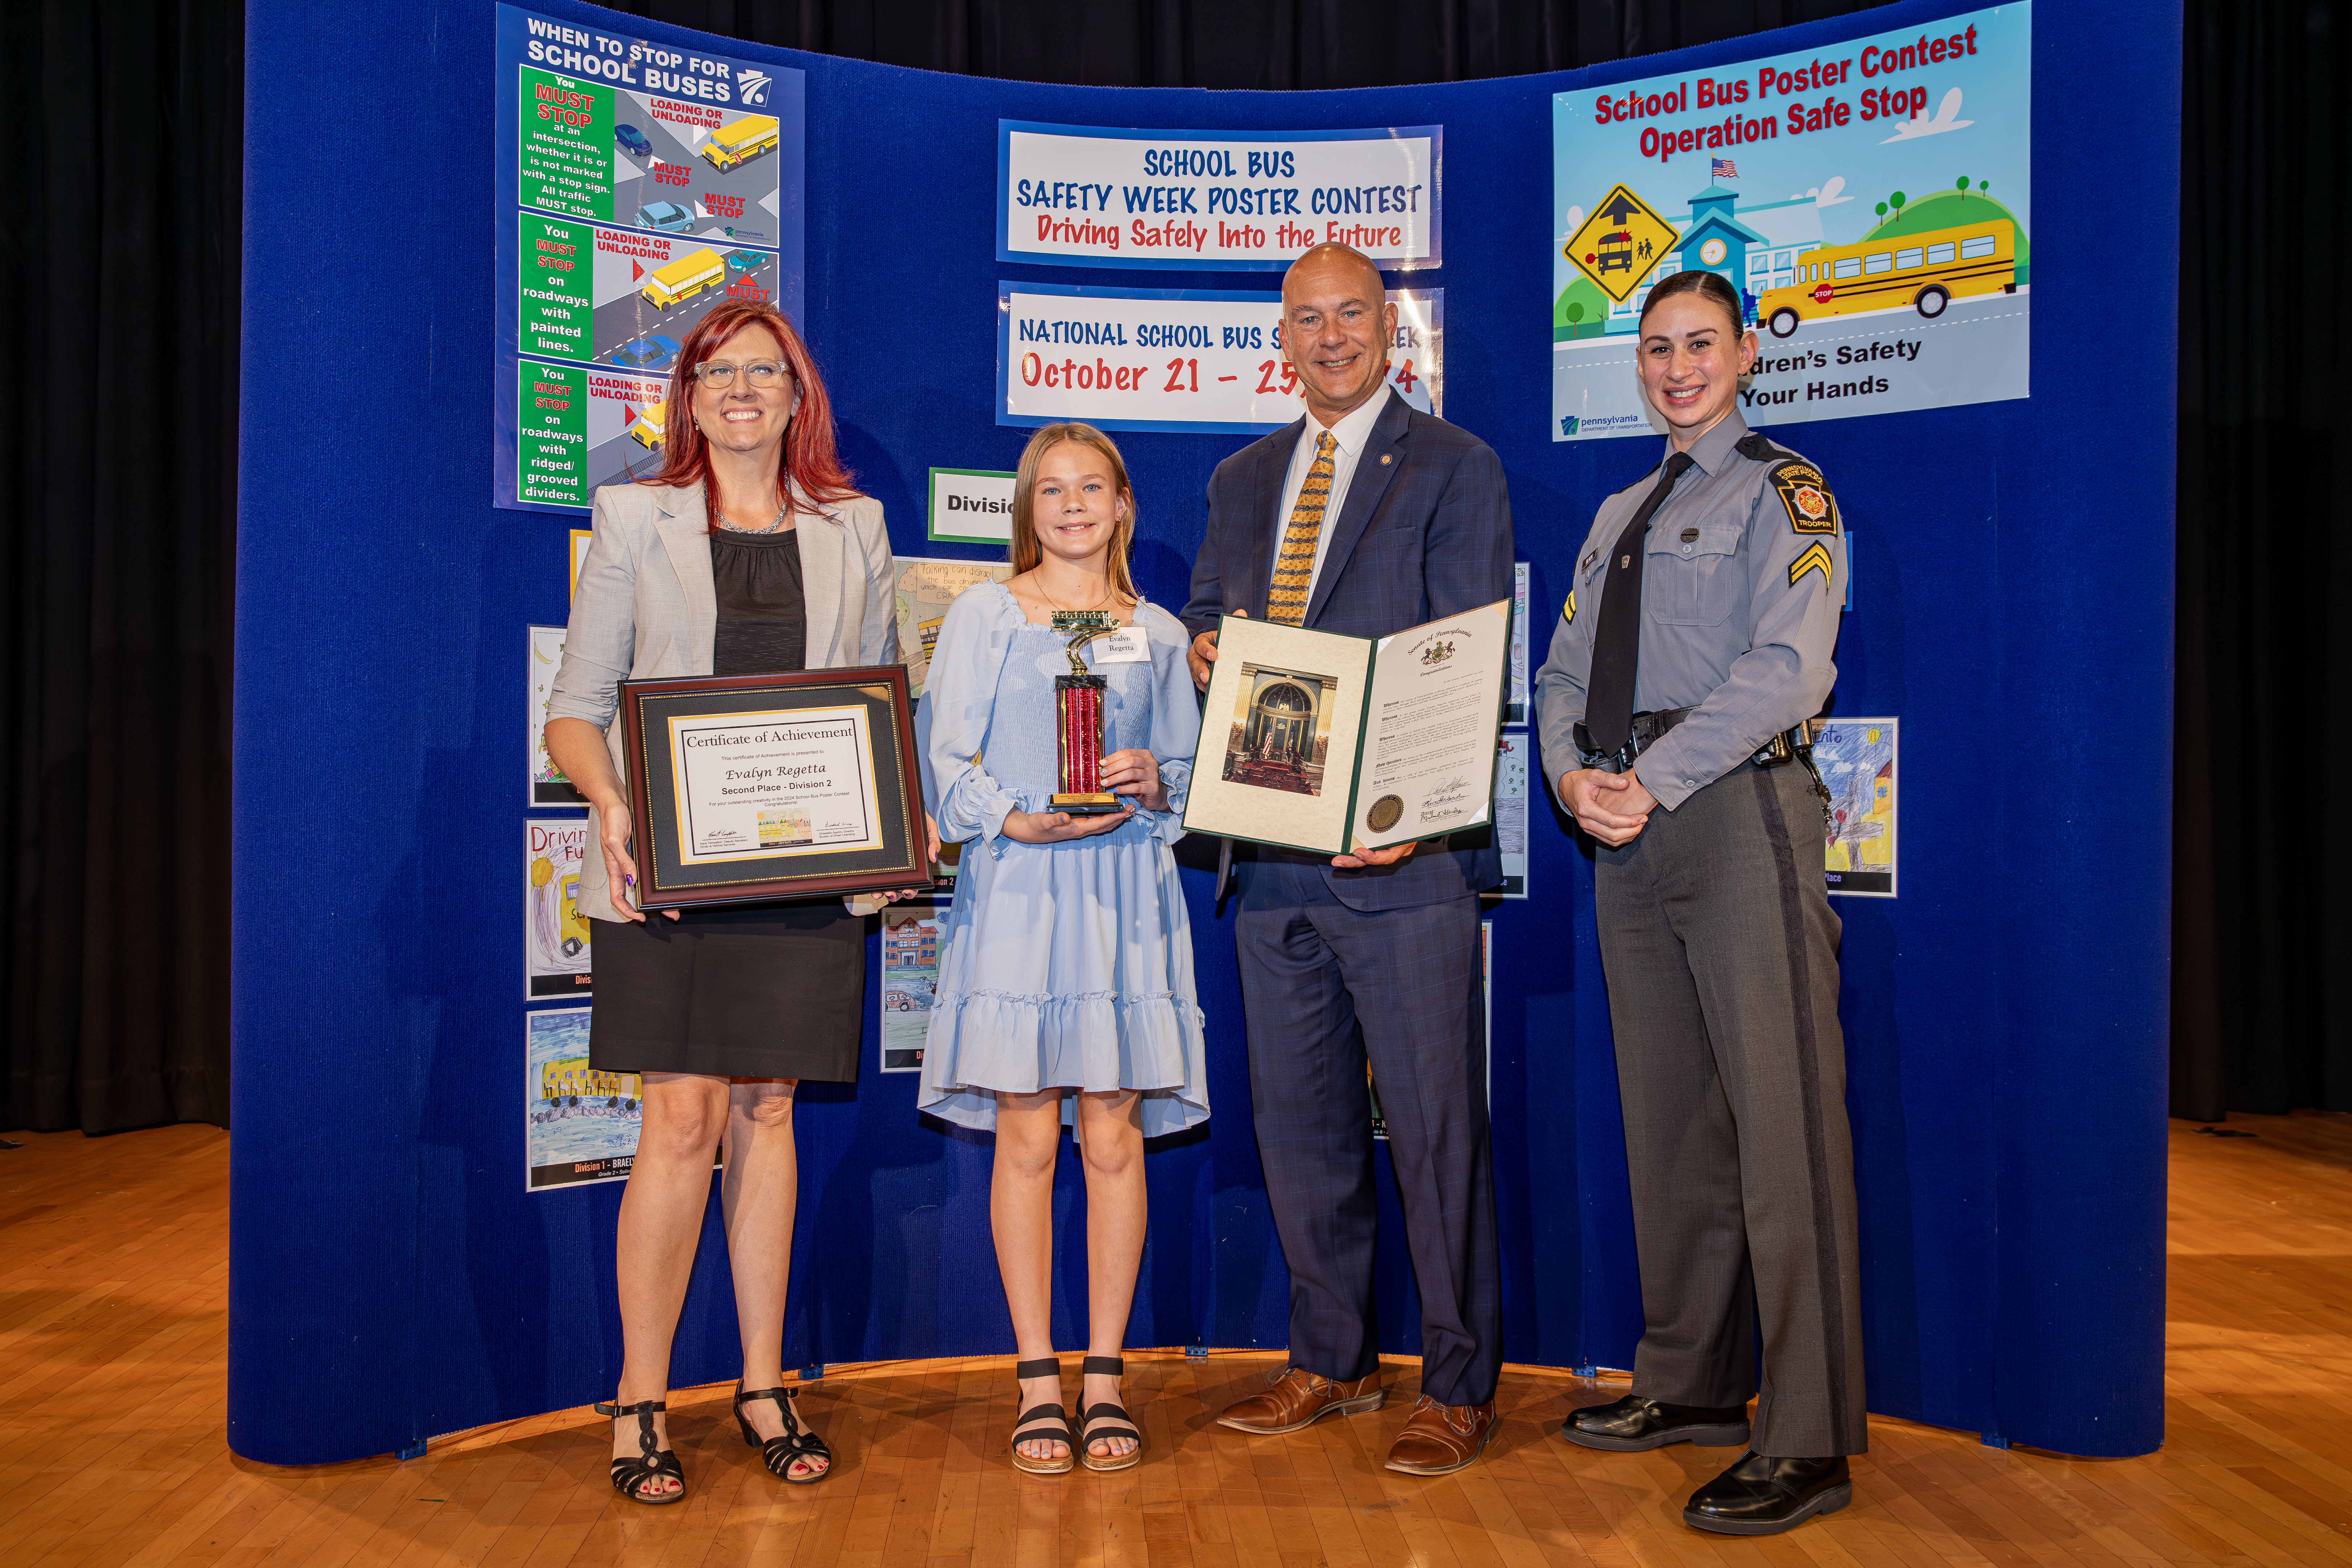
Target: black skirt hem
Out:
[665,1056]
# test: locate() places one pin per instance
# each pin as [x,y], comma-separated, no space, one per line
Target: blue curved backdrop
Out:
[2005,1018]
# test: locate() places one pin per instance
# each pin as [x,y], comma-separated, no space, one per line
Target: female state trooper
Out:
[1694,645]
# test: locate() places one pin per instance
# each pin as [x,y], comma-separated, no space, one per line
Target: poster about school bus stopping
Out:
[638,185]
[1871,203]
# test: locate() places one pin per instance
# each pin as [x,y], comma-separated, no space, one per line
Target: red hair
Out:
[812,464]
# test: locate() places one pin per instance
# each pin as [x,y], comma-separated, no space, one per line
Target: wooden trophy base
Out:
[1091,804]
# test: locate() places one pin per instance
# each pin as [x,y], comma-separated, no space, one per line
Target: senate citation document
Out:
[1324,742]
[1429,728]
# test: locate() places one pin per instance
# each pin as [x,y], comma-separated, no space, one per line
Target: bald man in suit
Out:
[1366,517]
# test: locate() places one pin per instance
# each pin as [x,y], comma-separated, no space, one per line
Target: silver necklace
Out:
[773,523]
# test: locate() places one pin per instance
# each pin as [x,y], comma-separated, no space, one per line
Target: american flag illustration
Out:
[1724,169]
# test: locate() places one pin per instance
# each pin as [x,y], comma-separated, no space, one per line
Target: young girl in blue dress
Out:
[1066,970]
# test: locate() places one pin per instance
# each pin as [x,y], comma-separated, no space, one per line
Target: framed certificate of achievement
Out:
[1317,742]
[753,787]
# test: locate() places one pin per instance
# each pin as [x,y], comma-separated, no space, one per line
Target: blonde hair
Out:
[1026,552]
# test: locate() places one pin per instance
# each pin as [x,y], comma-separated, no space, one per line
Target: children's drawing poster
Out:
[579,1125]
[1856,759]
[547,784]
[910,979]
[555,933]
[1871,203]
[1512,749]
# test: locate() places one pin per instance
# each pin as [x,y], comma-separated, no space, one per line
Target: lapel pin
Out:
[1384,459]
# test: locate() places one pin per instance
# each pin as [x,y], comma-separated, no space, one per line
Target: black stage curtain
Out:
[118,422]
[1273,44]
[2262,1014]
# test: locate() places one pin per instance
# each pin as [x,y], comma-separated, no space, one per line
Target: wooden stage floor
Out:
[112,1282]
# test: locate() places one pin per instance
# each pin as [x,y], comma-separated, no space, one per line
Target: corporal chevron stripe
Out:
[1294,568]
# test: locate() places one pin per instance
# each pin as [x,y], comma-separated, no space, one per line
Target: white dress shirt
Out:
[1349,436]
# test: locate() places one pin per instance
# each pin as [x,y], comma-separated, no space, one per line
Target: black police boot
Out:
[1634,1425]
[1760,1496]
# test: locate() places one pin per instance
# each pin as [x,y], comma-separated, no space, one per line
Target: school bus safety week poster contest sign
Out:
[1086,196]
[639,185]
[1871,204]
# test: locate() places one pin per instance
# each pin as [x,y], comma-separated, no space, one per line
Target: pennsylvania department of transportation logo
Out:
[1568,423]
[752,87]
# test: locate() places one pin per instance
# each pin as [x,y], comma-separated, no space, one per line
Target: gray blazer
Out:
[646,609]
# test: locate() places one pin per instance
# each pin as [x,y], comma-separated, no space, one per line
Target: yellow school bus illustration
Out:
[651,425]
[560,1081]
[1926,271]
[683,279]
[740,142]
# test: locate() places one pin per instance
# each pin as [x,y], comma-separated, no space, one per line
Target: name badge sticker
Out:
[1128,645]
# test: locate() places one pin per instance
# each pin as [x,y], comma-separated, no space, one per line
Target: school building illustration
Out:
[1754,250]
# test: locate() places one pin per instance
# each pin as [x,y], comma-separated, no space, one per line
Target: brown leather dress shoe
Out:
[1296,1397]
[1439,1439]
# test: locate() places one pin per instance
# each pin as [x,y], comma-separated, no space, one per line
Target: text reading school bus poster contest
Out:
[1870,201]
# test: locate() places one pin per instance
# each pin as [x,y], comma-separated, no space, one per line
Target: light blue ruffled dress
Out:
[1069,964]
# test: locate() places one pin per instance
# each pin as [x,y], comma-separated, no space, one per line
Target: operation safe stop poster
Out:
[1872,203]
[639,185]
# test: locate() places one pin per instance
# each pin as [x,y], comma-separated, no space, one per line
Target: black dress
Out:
[757,991]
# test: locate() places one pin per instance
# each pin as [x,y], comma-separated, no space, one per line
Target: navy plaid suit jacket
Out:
[1425,532]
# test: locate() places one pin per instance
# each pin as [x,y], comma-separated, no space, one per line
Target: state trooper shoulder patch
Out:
[1569,614]
[1806,495]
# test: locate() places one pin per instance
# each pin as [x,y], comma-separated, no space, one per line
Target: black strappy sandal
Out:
[797,1443]
[631,1477]
[1047,1422]
[1116,1421]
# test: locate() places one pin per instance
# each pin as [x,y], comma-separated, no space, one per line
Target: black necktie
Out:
[1617,640]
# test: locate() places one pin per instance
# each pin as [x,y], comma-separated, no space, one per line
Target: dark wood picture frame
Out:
[666,882]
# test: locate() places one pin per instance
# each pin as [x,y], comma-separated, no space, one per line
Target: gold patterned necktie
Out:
[1294,569]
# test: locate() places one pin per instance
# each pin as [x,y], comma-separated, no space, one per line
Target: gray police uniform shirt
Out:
[1740,595]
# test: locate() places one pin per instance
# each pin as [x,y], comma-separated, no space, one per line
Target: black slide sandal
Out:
[631,1477]
[796,1442]
[1116,1421]
[1046,1421]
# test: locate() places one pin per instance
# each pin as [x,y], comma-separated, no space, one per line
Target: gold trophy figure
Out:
[1079,718]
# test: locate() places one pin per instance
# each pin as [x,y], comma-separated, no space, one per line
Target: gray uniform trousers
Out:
[1721,955]
[1328,989]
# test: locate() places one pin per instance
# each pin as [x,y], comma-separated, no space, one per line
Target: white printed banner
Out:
[1180,360]
[1251,199]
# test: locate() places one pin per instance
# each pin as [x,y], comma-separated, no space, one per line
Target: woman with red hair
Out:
[749,552]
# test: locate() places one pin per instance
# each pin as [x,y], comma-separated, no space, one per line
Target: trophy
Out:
[1078,719]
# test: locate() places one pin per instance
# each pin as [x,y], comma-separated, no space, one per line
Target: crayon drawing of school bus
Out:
[1926,271]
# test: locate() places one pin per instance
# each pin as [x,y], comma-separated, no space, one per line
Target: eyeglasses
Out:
[761,374]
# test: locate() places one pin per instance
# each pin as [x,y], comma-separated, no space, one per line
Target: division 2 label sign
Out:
[1180,360]
[1087,196]
[1871,203]
[638,185]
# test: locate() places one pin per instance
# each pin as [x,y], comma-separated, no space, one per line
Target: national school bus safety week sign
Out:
[1872,205]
